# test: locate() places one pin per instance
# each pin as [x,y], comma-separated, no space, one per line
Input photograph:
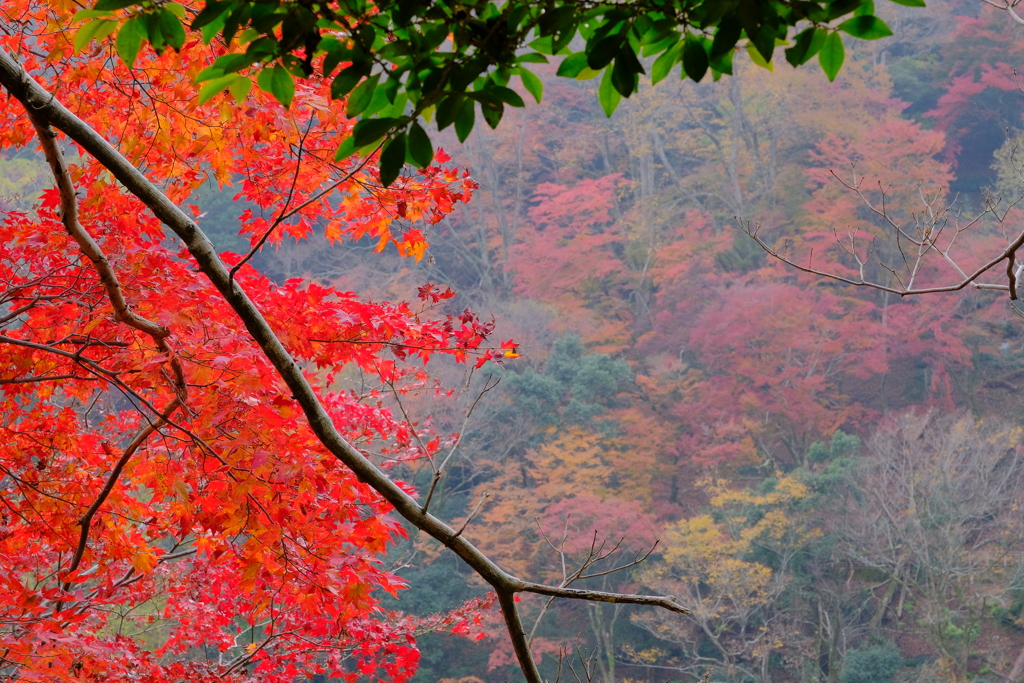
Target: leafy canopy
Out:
[402,61]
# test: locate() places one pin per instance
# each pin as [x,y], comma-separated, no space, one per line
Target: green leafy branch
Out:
[400,63]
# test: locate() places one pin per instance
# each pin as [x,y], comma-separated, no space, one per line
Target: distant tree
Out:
[941,517]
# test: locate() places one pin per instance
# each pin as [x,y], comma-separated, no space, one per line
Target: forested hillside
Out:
[830,477]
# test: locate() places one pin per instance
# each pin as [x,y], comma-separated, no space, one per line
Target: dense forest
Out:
[830,477]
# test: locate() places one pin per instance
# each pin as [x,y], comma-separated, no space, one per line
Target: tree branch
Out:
[86,520]
[69,217]
[45,106]
[668,602]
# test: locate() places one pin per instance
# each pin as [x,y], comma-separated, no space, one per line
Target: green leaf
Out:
[420,150]
[211,12]
[544,45]
[603,52]
[91,30]
[832,55]
[214,28]
[361,97]
[278,82]
[572,65]
[558,20]
[448,110]
[337,52]
[348,78]
[840,8]
[757,58]
[240,88]
[506,95]
[664,63]
[213,87]
[559,23]
[607,95]
[866,8]
[807,44]
[392,159]
[175,9]
[465,120]
[673,38]
[624,79]
[532,57]
[174,32]
[532,83]
[232,62]
[866,28]
[695,58]
[721,64]
[154,31]
[379,102]
[396,109]
[764,41]
[516,16]
[129,40]
[910,3]
[369,131]
[91,14]
[110,5]
[347,149]
[491,116]
[213,71]
[726,36]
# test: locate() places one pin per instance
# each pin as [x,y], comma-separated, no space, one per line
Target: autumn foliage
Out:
[684,415]
[159,484]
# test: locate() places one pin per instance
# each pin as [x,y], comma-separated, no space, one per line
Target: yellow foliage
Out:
[704,556]
[21,181]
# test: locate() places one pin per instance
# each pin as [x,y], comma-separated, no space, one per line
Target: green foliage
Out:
[1012,615]
[1009,167]
[574,387]
[873,664]
[920,81]
[840,459]
[843,445]
[450,58]
[743,257]
[436,588]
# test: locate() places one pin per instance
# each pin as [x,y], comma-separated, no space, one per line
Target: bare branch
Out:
[668,602]
[439,471]
[472,514]
[926,243]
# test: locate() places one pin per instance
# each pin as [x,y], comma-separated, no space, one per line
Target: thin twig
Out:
[86,520]
[472,514]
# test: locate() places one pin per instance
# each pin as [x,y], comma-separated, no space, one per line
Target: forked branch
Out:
[69,217]
[45,107]
[85,522]
[916,243]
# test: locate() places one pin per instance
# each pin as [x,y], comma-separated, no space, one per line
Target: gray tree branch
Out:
[44,105]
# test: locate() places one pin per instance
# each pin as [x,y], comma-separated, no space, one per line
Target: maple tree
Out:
[617,230]
[185,450]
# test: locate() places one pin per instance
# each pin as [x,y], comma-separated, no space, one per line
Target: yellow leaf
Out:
[144,561]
